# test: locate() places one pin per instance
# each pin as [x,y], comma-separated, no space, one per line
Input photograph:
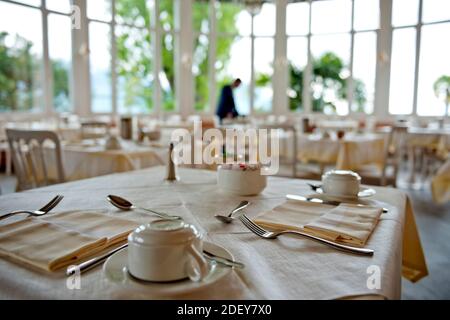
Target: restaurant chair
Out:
[386,174]
[30,157]
[434,157]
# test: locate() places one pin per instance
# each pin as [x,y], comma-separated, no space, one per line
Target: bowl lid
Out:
[341,175]
[164,232]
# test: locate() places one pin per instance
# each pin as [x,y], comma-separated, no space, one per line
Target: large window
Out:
[264,49]
[120,65]
[297,29]
[341,36]
[60,52]
[420,73]
[25,85]
[242,46]
[233,57]
[133,55]
[167,74]
[331,23]
[201,12]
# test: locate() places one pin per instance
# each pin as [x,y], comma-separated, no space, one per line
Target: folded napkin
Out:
[59,240]
[346,223]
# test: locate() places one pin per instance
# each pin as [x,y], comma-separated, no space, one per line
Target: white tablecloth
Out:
[349,153]
[286,268]
[81,162]
[429,138]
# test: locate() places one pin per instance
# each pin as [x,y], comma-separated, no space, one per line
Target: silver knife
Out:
[330,202]
[92,263]
[225,261]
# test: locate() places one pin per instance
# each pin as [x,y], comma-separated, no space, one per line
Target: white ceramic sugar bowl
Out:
[166,251]
[341,183]
[241,182]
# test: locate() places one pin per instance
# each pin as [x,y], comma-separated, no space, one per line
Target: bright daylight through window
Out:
[330,56]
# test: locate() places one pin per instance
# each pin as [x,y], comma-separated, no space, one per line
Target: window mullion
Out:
[48,76]
[417,58]
[113,58]
[212,57]
[384,54]
[307,106]
[352,52]
[280,81]
[157,55]
[252,65]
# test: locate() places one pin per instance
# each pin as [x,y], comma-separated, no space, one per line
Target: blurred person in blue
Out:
[226,107]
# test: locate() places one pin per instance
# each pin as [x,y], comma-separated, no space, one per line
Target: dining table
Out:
[90,158]
[349,153]
[418,139]
[285,268]
[337,125]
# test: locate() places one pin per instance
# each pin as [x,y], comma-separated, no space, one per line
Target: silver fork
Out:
[44,210]
[266,234]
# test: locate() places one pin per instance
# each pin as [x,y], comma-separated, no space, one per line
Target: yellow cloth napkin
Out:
[57,241]
[346,223]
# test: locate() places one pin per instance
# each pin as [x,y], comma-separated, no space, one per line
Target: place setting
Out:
[342,225]
[163,257]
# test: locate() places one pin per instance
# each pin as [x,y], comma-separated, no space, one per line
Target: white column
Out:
[212,57]
[157,55]
[307,73]
[113,59]
[48,74]
[384,48]
[350,85]
[281,71]
[252,67]
[81,86]
[417,62]
[184,82]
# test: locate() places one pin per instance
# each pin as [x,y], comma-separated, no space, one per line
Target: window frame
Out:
[48,107]
[307,96]
[418,28]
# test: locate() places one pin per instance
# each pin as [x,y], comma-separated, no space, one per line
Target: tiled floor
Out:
[434,226]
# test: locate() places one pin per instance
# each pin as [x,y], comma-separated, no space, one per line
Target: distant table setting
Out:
[420,139]
[348,153]
[91,157]
[338,125]
[136,235]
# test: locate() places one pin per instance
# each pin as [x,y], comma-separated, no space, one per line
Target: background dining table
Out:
[349,153]
[419,139]
[89,158]
[286,268]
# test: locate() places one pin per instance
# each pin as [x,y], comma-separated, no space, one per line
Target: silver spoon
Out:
[126,205]
[43,211]
[229,219]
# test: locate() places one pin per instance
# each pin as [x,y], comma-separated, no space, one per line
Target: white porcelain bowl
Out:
[166,251]
[341,183]
[240,182]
